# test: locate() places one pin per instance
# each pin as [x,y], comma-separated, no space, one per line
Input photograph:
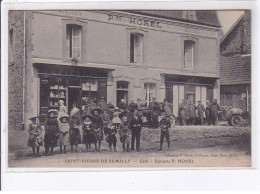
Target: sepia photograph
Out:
[129,88]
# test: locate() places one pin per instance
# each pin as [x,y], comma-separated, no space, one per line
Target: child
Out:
[165,124]
[63,139]
[116,120]
[74,123]
[106,118]
[88,133]
[97,126]
[35,140]
[110,130]
[51,130]
[124,132]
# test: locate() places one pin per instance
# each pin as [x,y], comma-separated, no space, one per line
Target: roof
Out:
[209,18]
[232,28]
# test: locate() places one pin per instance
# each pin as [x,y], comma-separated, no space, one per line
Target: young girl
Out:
[88,133]
[63,139]
[98,126]
[116,120]
[51,130]
[110,130]
[124,132]
[34,140]
[106,118]
[74,123]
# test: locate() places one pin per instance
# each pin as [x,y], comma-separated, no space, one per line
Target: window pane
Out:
[132,60]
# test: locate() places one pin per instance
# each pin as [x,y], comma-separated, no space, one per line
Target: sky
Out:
[228,18]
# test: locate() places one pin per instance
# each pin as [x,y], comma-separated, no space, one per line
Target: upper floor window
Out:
[189,15]
[74,41]
[189,47]
[136,48]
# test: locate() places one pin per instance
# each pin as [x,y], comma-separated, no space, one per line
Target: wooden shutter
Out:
[76,41]
[138,48]
[188,53]
[132,43]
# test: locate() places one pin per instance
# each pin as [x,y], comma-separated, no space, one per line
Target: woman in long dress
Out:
[75,123]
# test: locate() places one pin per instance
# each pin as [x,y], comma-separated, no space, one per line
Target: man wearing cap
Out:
[103,105]
[208,113]
[214,111]
[201,110]
[182,112]
[155,107]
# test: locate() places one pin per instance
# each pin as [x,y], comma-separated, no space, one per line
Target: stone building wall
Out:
[15,70]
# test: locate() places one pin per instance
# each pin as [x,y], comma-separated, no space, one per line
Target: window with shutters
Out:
[189,47]
[74,41]
[136,48]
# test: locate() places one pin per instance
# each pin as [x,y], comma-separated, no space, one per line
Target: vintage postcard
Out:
[129,88]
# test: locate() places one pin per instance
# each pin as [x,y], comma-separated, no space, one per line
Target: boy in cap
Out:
[35,140]
[124,132]
[165,124]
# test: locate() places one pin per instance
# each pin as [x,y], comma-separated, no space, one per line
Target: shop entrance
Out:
[73,97]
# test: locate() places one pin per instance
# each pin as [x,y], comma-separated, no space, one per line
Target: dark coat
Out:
[88,134]
[214,109]
[201,110]
[75,137]
[133,106]
[98,127]
[192,111]
[51,132]
[135,124]
[165,124]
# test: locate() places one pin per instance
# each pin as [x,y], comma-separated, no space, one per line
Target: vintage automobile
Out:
[235,116]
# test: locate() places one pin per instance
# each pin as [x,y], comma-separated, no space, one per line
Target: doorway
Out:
[73,97]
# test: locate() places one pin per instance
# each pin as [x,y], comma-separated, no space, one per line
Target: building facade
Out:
[235,64]
[71,55]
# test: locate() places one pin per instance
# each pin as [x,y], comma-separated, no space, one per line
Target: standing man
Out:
[139,103]
[214,111]
[182,112]
[201,110]
[192,112]
[208,112]
[155,107]
[103,105]
[122,105]
[132,106]
[135,126]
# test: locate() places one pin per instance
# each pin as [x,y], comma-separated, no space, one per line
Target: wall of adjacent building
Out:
[16,71]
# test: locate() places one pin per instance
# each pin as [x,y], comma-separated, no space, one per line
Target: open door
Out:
[74,97]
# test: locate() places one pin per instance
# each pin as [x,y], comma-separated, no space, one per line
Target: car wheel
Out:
[236,120]
[172,121]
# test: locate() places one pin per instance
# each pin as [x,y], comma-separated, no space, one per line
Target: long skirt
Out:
[63,139]
[75,137]
[50,140]
[89,137]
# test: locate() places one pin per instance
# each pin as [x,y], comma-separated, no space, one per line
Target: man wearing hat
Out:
[201,110]
[122,105]
[103,105]
[51,130]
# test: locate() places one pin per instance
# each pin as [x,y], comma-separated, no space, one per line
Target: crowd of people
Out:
[188,112]
[95,120]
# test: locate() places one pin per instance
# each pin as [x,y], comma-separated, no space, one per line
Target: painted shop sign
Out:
[136,21]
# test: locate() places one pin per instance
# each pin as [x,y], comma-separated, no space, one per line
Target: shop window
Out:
[149,89]
[122,91]
[178,96]
[74,41]
[136,48]
[201,94]
[189,52]
[11,46]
